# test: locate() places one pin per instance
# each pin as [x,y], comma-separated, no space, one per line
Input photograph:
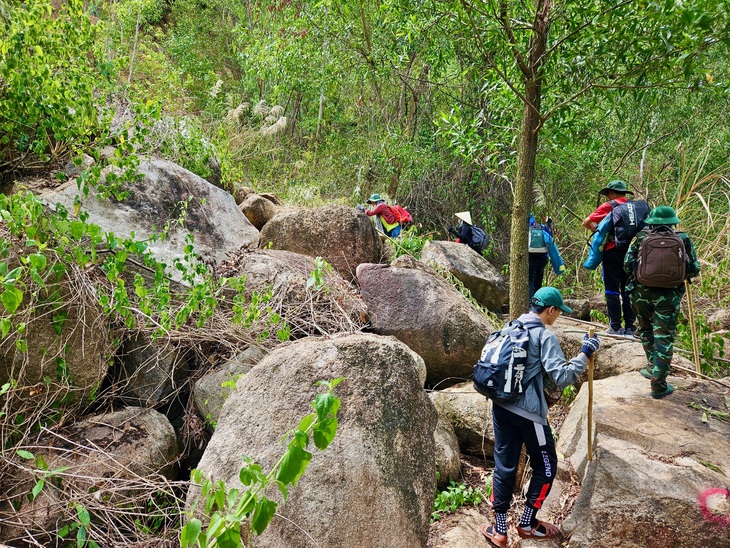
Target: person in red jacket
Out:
[384,216]
[614,276]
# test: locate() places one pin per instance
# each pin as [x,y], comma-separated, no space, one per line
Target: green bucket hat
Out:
[662,215]
[374,198]
[616,185]
[549,296]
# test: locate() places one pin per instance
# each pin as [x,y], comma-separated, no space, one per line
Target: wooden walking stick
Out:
[591,331]
[693,327]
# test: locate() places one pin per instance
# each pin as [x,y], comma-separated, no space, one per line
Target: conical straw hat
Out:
[464,216]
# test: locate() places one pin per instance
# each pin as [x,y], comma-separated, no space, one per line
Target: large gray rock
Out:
[470,414]
[212,389]
[466,532]
[258,209]
[486,284]
[105,456]
[343,236]
[412,302]
[68,340]
[448,457]
[211,216]
[659,472]
[308,309]
[374,485]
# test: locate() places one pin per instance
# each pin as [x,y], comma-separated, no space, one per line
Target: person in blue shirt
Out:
[541,247]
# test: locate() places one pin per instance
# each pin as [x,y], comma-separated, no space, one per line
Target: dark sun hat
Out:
[616,185]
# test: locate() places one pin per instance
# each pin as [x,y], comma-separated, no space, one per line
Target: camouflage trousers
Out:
[656,311]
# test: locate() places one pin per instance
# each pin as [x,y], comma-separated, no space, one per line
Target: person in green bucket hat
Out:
[657,308]
[614,277]
[385,218]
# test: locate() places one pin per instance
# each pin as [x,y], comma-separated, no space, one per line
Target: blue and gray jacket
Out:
[544,356]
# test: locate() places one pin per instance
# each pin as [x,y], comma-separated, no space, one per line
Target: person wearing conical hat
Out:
[614,277]
[657,308]
[464,230]
[384,215]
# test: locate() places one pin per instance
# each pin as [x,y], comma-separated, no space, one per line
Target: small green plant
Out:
[598,316]
[317,278]
[409,243]
[711,345]
[229,509]
[81,525]
[569,394]
[455,496]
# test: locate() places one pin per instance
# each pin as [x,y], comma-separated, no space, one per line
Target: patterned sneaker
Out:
[612,331]
[629,332]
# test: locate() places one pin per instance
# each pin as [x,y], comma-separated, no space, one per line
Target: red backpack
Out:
[401,214]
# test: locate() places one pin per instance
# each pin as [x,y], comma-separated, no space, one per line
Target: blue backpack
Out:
[479,239]
[500,372]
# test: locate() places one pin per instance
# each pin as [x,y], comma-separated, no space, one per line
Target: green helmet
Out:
[375,198]
[662,215]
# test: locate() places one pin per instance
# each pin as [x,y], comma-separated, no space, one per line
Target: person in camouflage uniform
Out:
[657,308]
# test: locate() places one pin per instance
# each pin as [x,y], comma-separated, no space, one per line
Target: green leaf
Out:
[11,298]
[230,538]
[306,422]
[232,498]
[38,261]
[190,533]
[25,454]
[324,432]
[245,475]
[14,274]
[326,404]
[283,490]
[262,515]
[220,498]
[37,488]
[82,515]
[5,326]
[293,464]
[81,536]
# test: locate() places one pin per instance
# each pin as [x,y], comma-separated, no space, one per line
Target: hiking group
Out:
[646,269]
[646,266]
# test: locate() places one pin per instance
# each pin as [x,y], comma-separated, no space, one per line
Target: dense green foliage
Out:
[323,101]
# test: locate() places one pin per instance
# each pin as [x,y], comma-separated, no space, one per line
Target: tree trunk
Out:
[526,154]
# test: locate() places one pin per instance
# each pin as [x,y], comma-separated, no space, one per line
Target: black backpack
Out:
[662,259]
[628,219]
[479,239]
[500,372]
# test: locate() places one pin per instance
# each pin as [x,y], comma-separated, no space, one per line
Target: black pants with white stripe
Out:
[510,432]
